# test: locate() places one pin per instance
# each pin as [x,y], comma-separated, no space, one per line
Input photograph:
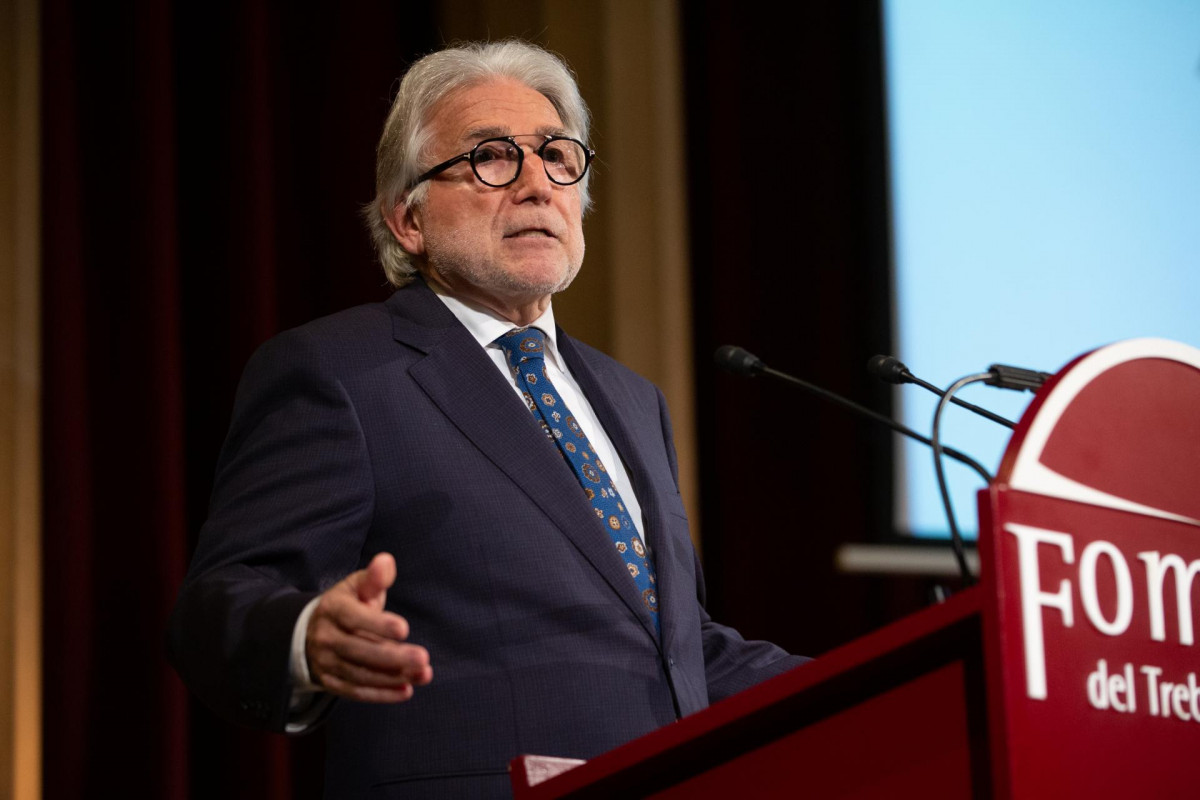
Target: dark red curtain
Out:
[790,259]
[203,165]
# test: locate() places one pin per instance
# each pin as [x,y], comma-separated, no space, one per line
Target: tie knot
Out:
[523,344]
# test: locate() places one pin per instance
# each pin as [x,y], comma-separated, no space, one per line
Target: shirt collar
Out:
[486,327]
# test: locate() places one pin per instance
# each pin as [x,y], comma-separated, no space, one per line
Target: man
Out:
[446,481]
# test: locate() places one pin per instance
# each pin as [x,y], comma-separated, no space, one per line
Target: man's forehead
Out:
[500,107]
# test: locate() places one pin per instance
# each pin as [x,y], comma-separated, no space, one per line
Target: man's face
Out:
[505,247]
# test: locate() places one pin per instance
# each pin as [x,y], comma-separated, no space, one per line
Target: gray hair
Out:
[402,154]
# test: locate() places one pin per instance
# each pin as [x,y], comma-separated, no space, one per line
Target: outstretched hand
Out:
[355,649]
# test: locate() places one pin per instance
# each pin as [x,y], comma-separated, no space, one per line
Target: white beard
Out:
[454,254]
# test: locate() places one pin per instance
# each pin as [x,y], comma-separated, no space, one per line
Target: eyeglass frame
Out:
[469,156]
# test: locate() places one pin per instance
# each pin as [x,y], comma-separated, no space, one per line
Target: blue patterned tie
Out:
[526,352]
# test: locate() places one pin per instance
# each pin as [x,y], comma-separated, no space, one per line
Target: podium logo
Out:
[1122,606]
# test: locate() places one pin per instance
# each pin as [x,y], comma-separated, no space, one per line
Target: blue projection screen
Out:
[1045,193]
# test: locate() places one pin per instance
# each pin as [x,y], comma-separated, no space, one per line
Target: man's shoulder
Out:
[360,336]
[606,368]
[339,338]
[348,324]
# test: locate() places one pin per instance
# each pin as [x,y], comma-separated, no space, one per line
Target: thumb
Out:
[376,579]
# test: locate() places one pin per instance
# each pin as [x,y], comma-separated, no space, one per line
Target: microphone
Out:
[741,362]
[738,361]
[892,370]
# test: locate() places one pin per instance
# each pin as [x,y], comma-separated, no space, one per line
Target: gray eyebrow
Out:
[476,134]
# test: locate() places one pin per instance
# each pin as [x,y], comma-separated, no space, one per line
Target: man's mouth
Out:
[530,233]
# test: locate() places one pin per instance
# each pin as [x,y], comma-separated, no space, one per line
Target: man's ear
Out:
[405,224]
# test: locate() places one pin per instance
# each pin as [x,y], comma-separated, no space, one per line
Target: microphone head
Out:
[888,368]
[738,361]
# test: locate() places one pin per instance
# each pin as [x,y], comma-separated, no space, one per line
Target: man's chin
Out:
[538,281]
[495,288]
[565,280]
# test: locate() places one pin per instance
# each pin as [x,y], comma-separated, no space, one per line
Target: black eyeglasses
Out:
[497,162]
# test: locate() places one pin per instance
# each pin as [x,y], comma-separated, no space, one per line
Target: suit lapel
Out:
[606,397]
[462,381]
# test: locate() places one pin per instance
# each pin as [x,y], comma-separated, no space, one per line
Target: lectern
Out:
[1071,670]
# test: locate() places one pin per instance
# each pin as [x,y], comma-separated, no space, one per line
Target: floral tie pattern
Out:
[525,349]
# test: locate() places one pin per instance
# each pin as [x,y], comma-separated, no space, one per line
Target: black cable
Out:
[956,539]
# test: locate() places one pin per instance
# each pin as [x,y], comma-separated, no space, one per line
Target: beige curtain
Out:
[20,501]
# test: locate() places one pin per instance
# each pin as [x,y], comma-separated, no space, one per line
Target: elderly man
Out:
[443,510]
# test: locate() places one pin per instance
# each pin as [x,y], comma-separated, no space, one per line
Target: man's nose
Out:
[533,183]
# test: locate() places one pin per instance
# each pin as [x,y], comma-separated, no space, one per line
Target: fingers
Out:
[408,662]
[329,645]
[349,665]
[371,584]
[367,694]
[353,616]
[372,672]
[356,649]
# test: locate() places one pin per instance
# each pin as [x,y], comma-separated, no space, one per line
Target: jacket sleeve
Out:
[291,506]
[731,663]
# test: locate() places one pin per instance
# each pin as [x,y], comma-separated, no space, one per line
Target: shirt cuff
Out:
[298,662]
[308,702]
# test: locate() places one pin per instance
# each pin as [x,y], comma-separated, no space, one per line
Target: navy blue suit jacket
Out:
[387,428]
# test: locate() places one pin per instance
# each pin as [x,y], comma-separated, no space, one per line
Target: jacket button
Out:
[671,663]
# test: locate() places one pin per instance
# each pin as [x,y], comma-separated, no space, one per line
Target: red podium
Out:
[1070,671]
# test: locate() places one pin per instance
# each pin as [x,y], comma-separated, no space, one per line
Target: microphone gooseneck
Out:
[892,370]
[740,362]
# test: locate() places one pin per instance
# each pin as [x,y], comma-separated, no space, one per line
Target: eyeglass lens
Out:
[497,162]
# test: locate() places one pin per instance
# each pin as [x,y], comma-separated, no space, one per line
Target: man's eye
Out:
[563,157]
[495,151]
